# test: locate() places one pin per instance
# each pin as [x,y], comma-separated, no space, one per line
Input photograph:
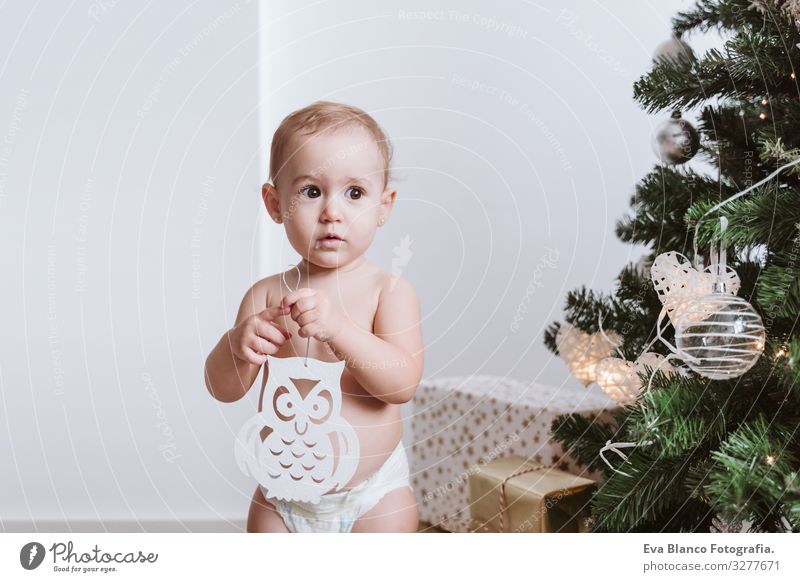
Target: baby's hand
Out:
[314,313]
[258,336]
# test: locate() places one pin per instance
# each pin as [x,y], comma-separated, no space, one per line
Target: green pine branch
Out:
[752,64]
[716,14]
[768,215]
[727,137]
[779,287]
[550,333]
[648,496]
[582,438]
[756,477]
[659,204]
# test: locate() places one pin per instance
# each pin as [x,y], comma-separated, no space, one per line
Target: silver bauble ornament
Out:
[676,140]
[673,49]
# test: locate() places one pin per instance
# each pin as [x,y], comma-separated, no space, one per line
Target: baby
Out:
[329,171]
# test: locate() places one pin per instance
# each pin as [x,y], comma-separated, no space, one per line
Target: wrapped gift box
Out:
[538,501]
[459,422]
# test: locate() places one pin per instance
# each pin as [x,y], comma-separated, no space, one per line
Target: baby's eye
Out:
[354,193]
[310,191]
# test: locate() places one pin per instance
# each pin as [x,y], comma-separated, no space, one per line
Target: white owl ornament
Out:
[295,462]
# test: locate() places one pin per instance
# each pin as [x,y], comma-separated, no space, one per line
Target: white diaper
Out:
[337,511]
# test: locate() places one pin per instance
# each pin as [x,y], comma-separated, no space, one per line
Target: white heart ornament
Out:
[620,380]
[617,378]
[582,351]
[677,282]
[679,285]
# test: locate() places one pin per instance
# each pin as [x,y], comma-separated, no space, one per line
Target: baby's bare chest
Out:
[356,304]
[354,299]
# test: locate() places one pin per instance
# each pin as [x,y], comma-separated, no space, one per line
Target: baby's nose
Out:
[332,211]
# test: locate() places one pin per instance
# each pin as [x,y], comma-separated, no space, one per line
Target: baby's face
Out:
[331,186]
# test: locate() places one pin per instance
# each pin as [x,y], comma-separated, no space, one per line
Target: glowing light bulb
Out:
[770,460]
[764,101]
[762,115]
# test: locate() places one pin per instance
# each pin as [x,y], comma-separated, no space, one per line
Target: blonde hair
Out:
[321,116]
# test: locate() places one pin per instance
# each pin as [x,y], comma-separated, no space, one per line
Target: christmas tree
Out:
[688,451]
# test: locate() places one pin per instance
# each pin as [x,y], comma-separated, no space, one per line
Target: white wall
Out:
[133,149]
[128,233]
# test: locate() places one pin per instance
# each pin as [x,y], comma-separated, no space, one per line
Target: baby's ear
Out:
[387,200]
[270,196]
[388,196]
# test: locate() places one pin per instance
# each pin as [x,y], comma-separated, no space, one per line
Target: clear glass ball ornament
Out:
[720,336]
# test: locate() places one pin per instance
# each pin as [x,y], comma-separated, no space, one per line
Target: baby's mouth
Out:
[330,241]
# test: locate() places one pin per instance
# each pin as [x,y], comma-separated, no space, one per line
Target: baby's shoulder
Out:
[267,289]
[392,287]
[397,304]
[271,289]
[376,278]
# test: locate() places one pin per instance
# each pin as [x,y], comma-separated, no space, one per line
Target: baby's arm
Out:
[235,361]
[387,363]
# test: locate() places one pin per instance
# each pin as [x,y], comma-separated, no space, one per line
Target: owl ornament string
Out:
[296,460]
[299,276]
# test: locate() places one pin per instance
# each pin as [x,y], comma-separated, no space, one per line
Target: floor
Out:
[143,526]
